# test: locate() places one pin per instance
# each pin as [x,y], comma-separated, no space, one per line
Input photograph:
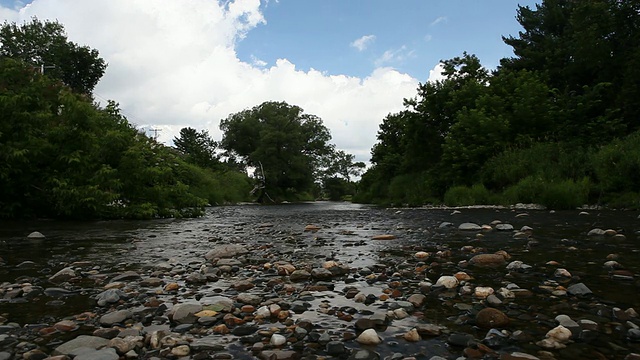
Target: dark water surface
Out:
[111,247]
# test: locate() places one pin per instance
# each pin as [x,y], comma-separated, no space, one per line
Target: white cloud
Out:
[428,38]
[439,20]
[362,43]
[173,64]
[258,62]
[435,74]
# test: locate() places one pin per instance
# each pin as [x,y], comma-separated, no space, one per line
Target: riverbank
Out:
[310,280]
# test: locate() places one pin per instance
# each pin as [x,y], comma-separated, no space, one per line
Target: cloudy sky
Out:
[179,63]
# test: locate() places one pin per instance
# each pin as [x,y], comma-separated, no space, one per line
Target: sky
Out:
[190,63]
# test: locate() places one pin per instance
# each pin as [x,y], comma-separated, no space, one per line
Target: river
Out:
[345,233]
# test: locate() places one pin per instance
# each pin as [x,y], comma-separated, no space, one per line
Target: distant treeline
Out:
[557,124]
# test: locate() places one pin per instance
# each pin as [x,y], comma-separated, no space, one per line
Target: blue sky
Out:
[318,34]
[191,63]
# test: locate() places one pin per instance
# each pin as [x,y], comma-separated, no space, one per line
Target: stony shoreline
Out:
[333,285]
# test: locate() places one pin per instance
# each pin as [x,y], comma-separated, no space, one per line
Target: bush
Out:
[475,195]
[559,194]
[617,165]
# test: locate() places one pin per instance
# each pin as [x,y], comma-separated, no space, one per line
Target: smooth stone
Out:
[110,296]
[127,275]
[85,341]
[489,260]
[277,340]
[469,227]
[321,273]
[335,348]
[181,350]
[488,318]
[504,227]
[369,337]
[185,313]
[579,289]
[412,335]
[448,282]
[299,275]
[596,232]
[250,299]
[102,354]
[560,334]
[35,235]
[279,355]
[63,275]
[445,225]
[461,340]
[115,317]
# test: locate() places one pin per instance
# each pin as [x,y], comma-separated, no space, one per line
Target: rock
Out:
[421,255]
[445,225]
[482,291]
[487,260]
[82,341]
[299,275]
[384,237]
[181,350]
[226,251]
[127,275]
[448,282]
[469,227]
[102,354]
[250,299]
[493,300]
[369,337]
[110,296]
[417,300]
[35,235]
[488,318]
[277,340]
[579,289]
[412,335]
[63,275]
[185,313]
[504,227]
[335,348]
[596,232]
[562,273]
[244,330]
[115,317]
[321,274]
[461,340]
[559,333]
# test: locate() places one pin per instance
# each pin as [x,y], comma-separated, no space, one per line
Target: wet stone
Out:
[461,340]
[82,341]
[115,317]
[579,289]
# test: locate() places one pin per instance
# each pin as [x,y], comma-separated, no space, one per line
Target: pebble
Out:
[369,337]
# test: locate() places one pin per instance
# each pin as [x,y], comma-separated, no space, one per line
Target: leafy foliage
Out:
[289,149]
[44,45]
[550,125]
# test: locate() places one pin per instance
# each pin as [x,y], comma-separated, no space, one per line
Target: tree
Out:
[45,46]
[197,147]
[283,141]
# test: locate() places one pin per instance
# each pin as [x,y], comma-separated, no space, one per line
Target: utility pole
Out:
[155,133]
[42,67]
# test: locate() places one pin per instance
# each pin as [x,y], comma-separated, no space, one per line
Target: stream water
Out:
[104,248]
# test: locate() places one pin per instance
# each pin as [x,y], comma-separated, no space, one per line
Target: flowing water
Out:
[345,235]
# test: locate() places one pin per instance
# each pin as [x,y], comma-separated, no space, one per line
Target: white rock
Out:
[181,350]
[447,281]
[263,312]
[506,293]
[277,340]
[469,227]
[483,291]
[560,334]
[596,232]
[369,337]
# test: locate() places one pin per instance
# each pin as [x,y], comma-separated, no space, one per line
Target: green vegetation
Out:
[557,124]
[62,156]
[290,152]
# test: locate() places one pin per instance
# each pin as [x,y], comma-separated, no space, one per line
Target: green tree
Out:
[197,147]
[283,143]
[45,46]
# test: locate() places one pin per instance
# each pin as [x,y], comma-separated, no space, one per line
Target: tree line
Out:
[63,155]
[557,124]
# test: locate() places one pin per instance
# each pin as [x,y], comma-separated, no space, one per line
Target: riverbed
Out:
[553,267]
